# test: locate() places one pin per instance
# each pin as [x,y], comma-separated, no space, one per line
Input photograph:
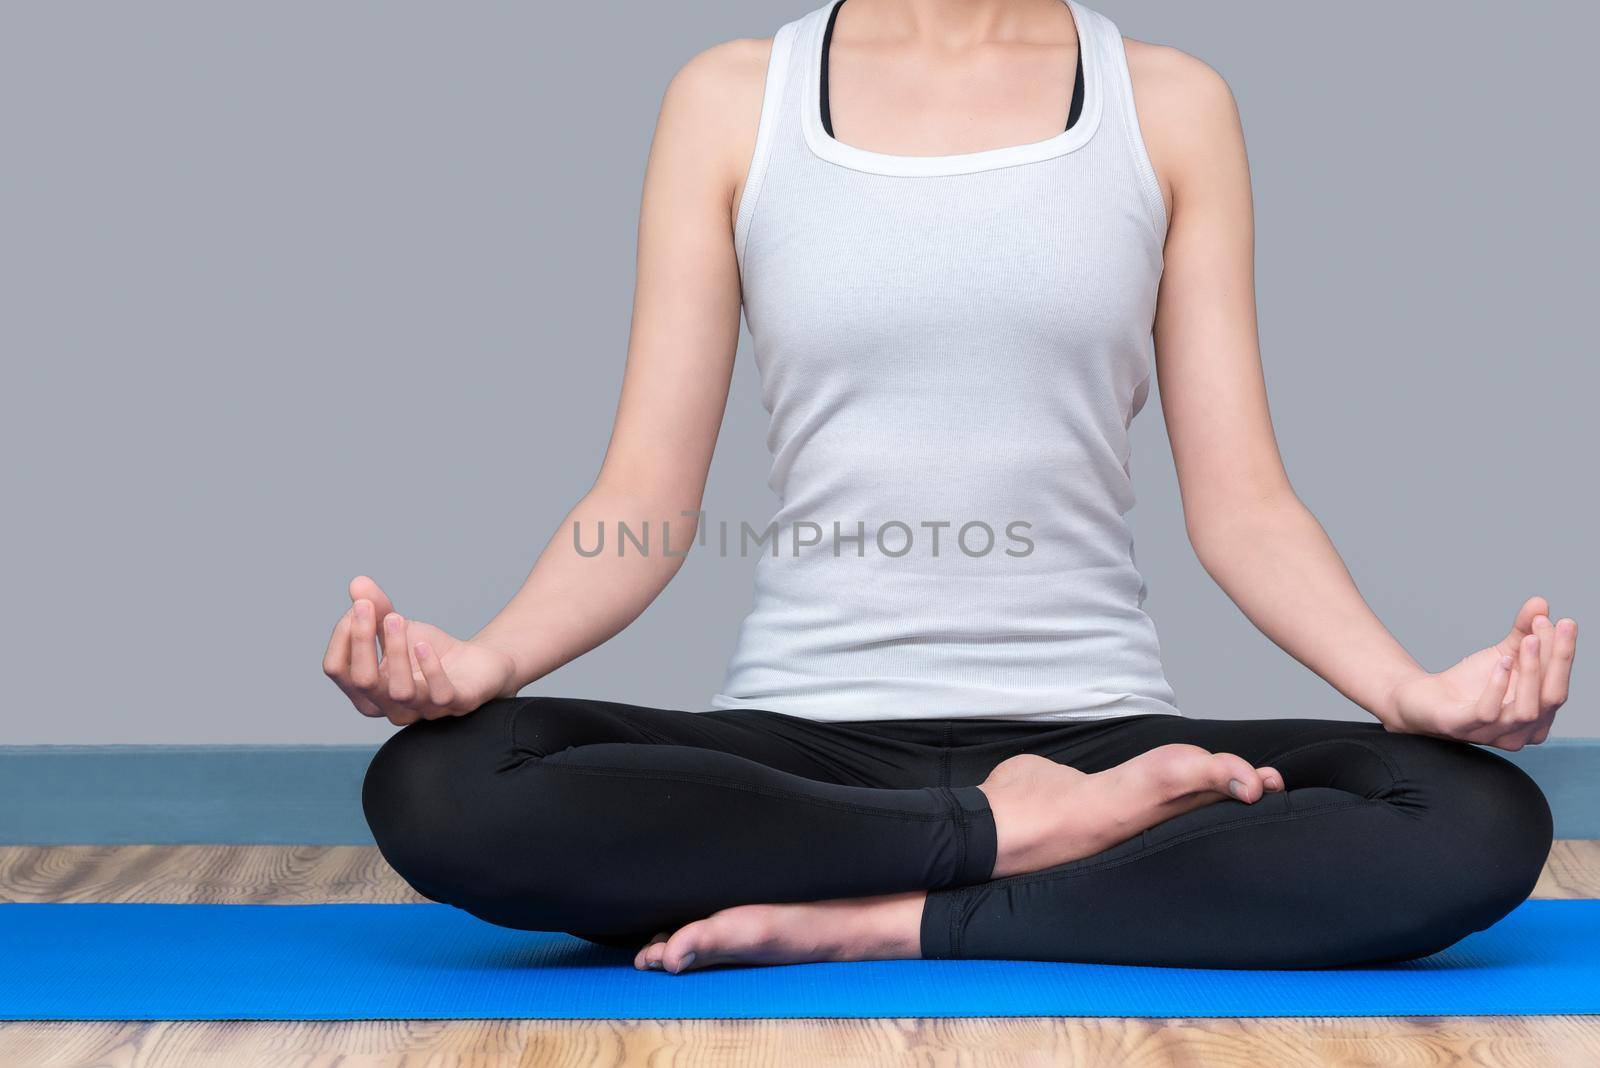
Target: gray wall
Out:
[278,280]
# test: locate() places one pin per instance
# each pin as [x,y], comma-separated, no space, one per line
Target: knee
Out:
[419,797]
[1496,814]
[461,809]
[1489,828]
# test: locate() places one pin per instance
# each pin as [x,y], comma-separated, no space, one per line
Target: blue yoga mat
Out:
[322,962]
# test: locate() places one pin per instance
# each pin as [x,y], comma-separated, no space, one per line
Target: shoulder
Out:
[729,65]
[723,84]
[1187,112]
[1172,86]
[712,107]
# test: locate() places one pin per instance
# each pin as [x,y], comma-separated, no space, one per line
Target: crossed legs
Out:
[749,836]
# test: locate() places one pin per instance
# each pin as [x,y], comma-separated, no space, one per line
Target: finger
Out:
[363,648]
[1512,735]
[1522,626]
[336,660]
[364,588]
[1489,735]
[336,664]
[367,689]
[1511,743]
[1533,735]
[1491,702]
[1271,780]
[1524,707]
[441,693]
[1545,631]
[1556,656]
[1558,672]
[398,669]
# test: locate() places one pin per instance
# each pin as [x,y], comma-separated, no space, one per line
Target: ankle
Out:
[882,928]
[1018,832]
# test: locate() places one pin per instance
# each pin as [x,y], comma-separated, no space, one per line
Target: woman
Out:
[953,228]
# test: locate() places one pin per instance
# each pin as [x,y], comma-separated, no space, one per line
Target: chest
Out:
[1039,254]
[924,103]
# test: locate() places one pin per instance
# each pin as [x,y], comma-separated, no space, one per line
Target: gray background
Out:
[293,291]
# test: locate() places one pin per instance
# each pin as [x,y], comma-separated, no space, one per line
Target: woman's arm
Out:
[1249,529]
[680,356]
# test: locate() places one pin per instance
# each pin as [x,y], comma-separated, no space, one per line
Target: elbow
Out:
[659,500]
[1219,529]
[1212,530]
[1208,544]
[646,521]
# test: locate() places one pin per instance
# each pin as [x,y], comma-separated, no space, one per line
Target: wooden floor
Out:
[306,874]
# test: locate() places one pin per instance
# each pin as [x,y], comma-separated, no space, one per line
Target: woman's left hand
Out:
[1505,696]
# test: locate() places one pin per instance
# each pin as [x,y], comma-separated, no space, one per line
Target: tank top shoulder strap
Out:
[783,80]
[1116,90]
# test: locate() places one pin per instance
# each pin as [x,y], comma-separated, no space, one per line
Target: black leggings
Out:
[614,822]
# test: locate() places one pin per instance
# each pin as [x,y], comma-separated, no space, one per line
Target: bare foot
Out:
[864,928]
[1047,813]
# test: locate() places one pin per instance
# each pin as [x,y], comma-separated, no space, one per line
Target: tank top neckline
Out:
[1074,103]
[827,147]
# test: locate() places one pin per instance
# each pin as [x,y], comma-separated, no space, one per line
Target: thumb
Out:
[364,588]
[1532,608]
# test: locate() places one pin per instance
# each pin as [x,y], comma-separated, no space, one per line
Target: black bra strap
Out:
[827,42]
[1076,107]
[1073,110]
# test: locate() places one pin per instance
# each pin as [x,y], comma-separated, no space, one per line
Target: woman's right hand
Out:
[421,673]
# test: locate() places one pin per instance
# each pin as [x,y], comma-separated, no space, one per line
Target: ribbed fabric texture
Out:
[955,340]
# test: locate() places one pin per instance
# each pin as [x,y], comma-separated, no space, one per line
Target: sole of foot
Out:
[1046,813]
[869,928]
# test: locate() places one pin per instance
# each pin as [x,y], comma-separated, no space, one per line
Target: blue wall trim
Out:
[1568,769]
[158,794]
[289,795]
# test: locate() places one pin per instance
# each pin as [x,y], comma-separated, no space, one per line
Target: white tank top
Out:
[949,346]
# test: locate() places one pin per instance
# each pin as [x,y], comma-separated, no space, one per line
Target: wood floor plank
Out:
[305,875]
[1573,870]
[208,874]
[1492,1042]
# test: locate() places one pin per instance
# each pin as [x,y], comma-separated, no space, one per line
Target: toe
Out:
[649,958]
[1179,772]
[1236,777]
[1169,770]
[678,953]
